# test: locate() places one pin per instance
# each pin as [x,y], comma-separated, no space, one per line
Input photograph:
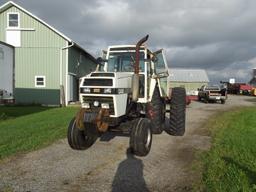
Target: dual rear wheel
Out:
[155,111]
[177,112]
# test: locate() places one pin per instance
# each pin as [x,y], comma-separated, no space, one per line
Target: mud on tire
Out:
[177,112]
[80,139]
[141,137]
[156,112]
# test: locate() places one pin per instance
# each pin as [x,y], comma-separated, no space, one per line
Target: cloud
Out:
[218,35]
[213,56]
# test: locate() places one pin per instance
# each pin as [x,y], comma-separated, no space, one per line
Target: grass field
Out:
[230,165]
[24,129]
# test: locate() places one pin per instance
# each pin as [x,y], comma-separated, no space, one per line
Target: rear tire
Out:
[177,112]
[223,101]
[81,139]
[156,112]
[141,137]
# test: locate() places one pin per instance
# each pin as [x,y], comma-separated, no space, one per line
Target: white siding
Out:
[6,68]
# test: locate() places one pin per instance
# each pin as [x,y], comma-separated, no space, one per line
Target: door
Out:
[161,70]
[73,88]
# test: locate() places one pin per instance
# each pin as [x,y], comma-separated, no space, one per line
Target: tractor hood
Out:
[108,79]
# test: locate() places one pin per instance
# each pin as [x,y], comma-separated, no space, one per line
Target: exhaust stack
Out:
[135,77]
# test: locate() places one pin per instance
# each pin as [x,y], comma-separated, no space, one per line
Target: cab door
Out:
[161,70]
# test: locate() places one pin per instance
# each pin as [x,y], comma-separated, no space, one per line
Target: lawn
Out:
[24,129]
[230,165]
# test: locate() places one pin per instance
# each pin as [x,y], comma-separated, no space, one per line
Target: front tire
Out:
[156,112]
[177,112]
[141,137]
[81,139]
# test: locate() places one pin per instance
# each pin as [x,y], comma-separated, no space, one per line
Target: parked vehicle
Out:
[212,93]
[245,89]
[128,93]
[253,92]
[238,88]
[5,97]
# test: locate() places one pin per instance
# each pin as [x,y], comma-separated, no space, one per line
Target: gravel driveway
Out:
[107,166]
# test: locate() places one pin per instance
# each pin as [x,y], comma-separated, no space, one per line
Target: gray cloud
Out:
[218,36]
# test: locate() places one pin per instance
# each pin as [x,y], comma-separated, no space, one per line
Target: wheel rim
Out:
[148,138]
[72,132]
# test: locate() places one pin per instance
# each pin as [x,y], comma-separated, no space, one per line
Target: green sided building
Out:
[190,79]
[47,64]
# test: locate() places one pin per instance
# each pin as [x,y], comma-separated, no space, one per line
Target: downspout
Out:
[61,70]
[135,78]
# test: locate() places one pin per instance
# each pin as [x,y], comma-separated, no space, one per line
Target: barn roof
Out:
[6,44]
[188,75]
[9,4]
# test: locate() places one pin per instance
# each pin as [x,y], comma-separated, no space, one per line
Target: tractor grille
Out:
[102,75]
[109,100]
[98,82]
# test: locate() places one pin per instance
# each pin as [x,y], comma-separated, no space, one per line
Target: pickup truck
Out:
[212,93]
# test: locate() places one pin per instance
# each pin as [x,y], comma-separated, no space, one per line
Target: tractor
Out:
[128,93]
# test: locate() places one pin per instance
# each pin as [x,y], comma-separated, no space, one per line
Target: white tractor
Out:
[128,92]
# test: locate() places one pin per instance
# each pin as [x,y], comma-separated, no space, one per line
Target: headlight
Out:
[85,90]
[104,105]
[107,90]
[96,103]
[86,105]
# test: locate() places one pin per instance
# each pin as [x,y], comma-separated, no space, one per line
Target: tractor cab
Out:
[152,65]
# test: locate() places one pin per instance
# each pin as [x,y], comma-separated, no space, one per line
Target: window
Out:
[39,81]
[124,61]
[13,20]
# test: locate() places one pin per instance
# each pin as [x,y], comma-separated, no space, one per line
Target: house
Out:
[47,64]
[190,79]
[6,71]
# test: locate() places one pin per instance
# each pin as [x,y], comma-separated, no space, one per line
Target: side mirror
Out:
[100,60]
[154,59]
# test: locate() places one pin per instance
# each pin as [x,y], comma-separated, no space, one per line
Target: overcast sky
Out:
[216,35]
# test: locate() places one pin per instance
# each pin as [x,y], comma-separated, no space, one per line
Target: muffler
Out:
[135,77]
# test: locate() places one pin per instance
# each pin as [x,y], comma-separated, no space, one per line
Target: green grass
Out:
[24,129]
[230,165]
[10,112]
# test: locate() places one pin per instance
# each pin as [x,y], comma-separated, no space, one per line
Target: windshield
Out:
[124,62]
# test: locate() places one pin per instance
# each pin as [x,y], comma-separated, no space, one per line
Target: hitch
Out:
[94,117]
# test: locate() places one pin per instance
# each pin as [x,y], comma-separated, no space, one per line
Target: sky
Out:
[215,35]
